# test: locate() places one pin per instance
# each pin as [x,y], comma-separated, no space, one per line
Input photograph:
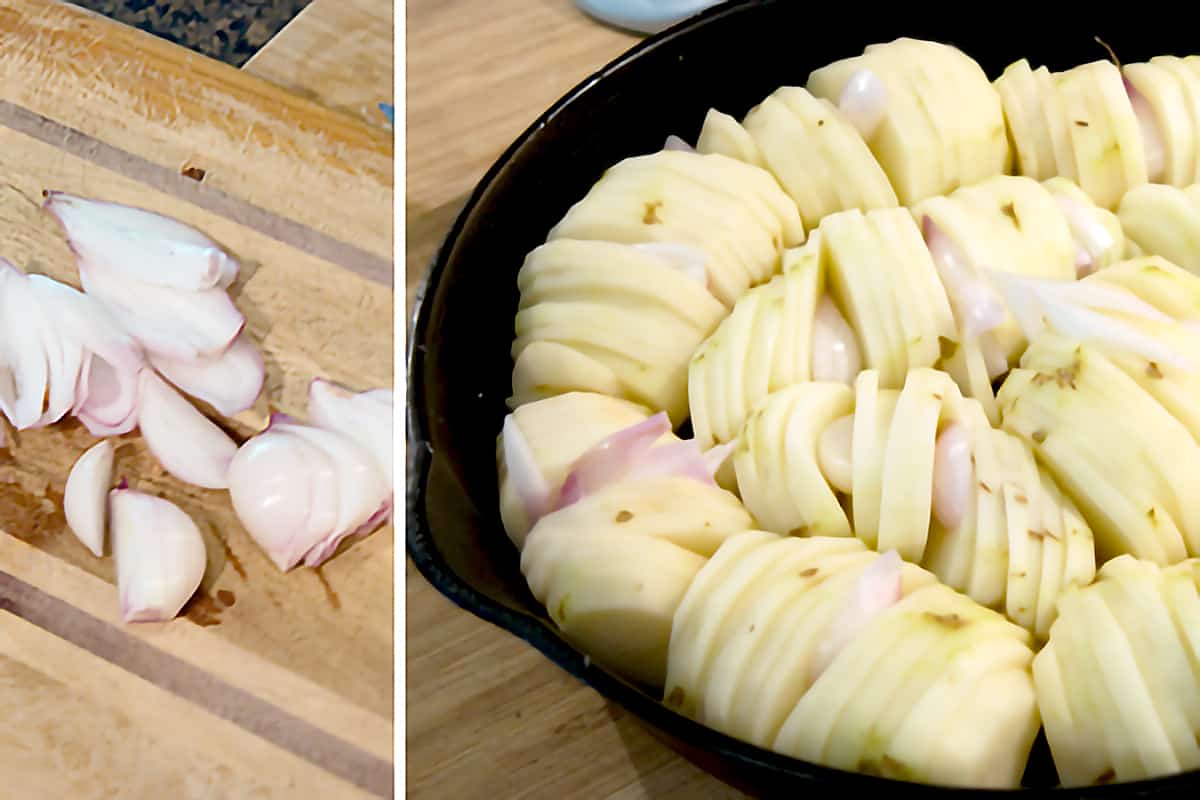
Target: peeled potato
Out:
[613,579]
[1117,681]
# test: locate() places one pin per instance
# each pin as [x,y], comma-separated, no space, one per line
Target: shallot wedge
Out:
[953,476]
[976,306]
[174,323]
[864,101]
[107,398]
[1153,147]
[301,490]
[364,496]
[84,319]
[522,470]
[366,417]
[230,382]
[835,353]
[835,453]
[673,142]
[24,369]
[160,555]
[631,454]
[1090,235]
[1073,308]
[285,492]
[85,500]
[141,245]
[185,442]
[877,589]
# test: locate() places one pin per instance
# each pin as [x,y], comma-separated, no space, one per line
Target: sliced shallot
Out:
[835,453]
[160,555]
[185,442]
[673,142]
[363,493]
[285,492]
[301,490]
[953,476]
[366,417]
[169,322]
[22,351]
[877,589]
[976,305]
[230,381]
[1087,231]
[523,472]
[835,353]
[107,398]
[85,499]
[864,101]
[141,245]
[1069,307]
[1152,139]
[632,454]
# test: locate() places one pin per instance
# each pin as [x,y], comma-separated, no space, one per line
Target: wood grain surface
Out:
[337,52]
[270,685]
[488,716]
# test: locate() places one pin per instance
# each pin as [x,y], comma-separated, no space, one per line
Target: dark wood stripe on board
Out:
[164,670]
[143,170]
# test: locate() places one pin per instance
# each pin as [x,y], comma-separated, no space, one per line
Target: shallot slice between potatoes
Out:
[877,589]
[864,101]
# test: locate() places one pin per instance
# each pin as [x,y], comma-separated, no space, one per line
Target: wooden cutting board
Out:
[270,685]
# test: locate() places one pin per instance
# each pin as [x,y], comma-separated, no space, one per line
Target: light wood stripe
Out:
[176,676]
[143,170]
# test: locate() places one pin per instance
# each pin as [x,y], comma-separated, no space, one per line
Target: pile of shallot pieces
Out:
[154,323]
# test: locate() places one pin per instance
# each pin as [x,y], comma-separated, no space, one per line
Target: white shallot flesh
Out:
[301,490]
[864,101]
[141,245]
[230,381]
[169,322]
[835,453]
[107,398]
[85,499]
[187,443]
[976,306]
[160,555]
[835,353]
[877,589]
[1088,232]
[689,260]
[366,417]
[1152,139]
[1073,308]
[673,142]
[523,473]
[953,476]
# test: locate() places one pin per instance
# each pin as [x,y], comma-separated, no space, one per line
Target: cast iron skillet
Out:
[729,57]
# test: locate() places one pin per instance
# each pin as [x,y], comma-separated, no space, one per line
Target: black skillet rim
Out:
[429,562]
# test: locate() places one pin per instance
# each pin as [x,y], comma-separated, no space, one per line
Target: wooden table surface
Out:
[269,685]
[488,716]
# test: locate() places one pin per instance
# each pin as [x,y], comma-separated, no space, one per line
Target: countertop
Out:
[487,715]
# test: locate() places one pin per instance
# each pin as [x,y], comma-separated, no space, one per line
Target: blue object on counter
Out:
[644,16]
[389,112]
